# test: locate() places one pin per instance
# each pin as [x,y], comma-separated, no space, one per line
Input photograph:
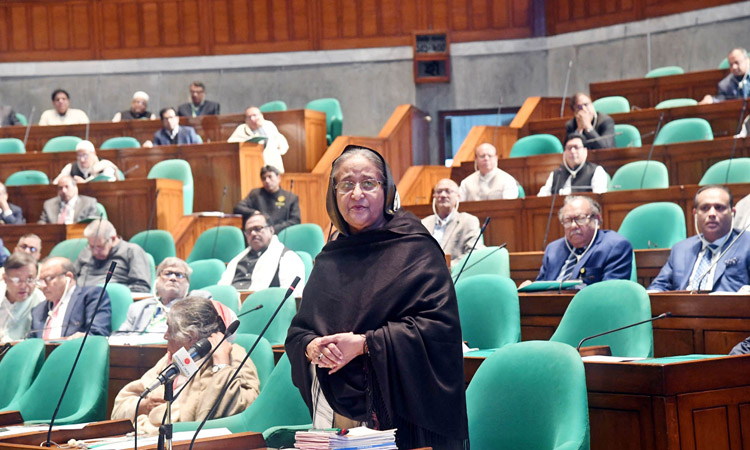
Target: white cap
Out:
[86,145]
[140,94]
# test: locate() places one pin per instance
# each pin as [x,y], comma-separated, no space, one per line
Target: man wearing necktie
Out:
[736,84]
[717,258]
[68,207]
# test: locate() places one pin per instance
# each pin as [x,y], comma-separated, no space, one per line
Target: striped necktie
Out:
[570,263]
[700,275]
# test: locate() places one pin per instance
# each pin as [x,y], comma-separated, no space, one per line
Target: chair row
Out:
[66,144]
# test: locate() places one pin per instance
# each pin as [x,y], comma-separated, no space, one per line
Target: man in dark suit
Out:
[280,205]
[586,252]
[68,308]
[596,127]
[198,105]
[68,207]
[9,213]
[172,132]
[718,258]
[737,83]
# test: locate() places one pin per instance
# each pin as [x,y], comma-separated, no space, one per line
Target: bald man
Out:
[455,231]
[488,182]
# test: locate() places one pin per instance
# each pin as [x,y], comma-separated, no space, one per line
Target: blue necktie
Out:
[567,269]
[702,269]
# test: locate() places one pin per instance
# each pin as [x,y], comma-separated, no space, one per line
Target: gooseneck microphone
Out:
[249,311]
[651,150]
[218,221]
[588,338]
[565,90]
[28,126]
[196,352]
[48,442]
[734,143]
[466,258]
[549,217]
[151,219]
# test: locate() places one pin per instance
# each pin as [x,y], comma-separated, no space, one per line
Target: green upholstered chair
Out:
[630,176]
[177,169]
[69,248]
[307,237]
[627,136]
[654,225]
[61,144]
[521,191]
[225,294]
[334,115]
[736,170]
[307,261]
[206,272]
[536,144]
[273,106]
[26,178]
[612,105]
[685,130]
[665,71]
[530,395]
[102,177]
[101,210]
[605,306]
[11,145]
[489,311]
[262,356]
[120,142]
[120,299]
[676,103]
[488,260]
[151,268]
[279,403]
[24,121]
[223,243]
[157,243]
[255,321]
[18,368]
[86,397]
[633,271]
[724,64]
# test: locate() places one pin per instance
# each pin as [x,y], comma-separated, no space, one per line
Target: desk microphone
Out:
[565,90]
[196,352]
[651,150]
[218,221]
[601,138]
[466,259]
[734,144]
[129,170]
[150,220]
[48,442]
[549,217]
[250,310]
[28,126]
[660,316]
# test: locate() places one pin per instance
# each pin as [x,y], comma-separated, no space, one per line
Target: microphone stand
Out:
[28,126]
[466,259]
[151,219]
[660,316]
[734,144]
[165,430]
[651,150]
[565,91]
[218,221]
[549,217]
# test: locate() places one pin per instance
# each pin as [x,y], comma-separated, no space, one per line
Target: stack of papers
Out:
[355,438]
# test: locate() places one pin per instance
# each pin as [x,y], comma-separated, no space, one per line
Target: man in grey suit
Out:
[68,207]
[455,231]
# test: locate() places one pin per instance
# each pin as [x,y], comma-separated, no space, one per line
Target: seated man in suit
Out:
[106,246]
[172,132]
[281,206]
[737,83]
[586,252]
[18,296]
[68,207]
[575,174]
[489,182]
[9,213]
[198,105]
[597,128]
[455,231]
[88,166]
[68,308]
[256,126]
[718,258]
[266,262]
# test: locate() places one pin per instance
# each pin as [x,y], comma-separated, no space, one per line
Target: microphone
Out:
[588,338]
[247,356]
[565,91]
[5,348]
[651,150]
[218,221]
[503,245]
[549,217]
[28,126]
[695,289]
[131,169]
[48,442]
[601,138]
[734,144]
[151,219]
[197,351]
[249,311]
[466,259]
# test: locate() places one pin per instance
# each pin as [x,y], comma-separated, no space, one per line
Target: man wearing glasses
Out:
[575,174]
[279,205]
[597,128]
[31,244]
[265,262]
[19,296]
[586,252]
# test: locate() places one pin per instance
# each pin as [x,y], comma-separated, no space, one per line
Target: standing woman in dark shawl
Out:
[377,339]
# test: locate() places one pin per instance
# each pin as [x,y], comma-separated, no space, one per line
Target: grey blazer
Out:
[85,208]
[459,236]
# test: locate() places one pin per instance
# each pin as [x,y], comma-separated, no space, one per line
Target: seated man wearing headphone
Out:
[716,259]
[586,253]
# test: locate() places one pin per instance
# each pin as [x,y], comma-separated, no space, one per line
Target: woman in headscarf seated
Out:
[377,339]
[190,320]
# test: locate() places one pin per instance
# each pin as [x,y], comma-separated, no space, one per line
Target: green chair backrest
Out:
[685,130]
[521,191]
[61,144]
[11,145]
[627,136]
[630,176]
[605,306]
[334,115]
[735,170]
[536,144]
[120,142]
[724,64]
[24,121]
[18,368]
[206,272]
[177,169]
[151,268]
[222,242]
[676,103]
[157,243]
[612,105]
[307,261]
[633,271]
[26,178]
[273,106]
[120,299]
[307,237]
[654,225]
[86,397]
[101,210]
[262,356]
[488,260]
[225,294]
[489,311]
[254,322]
[665,71]
[69,248]
[530,395]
